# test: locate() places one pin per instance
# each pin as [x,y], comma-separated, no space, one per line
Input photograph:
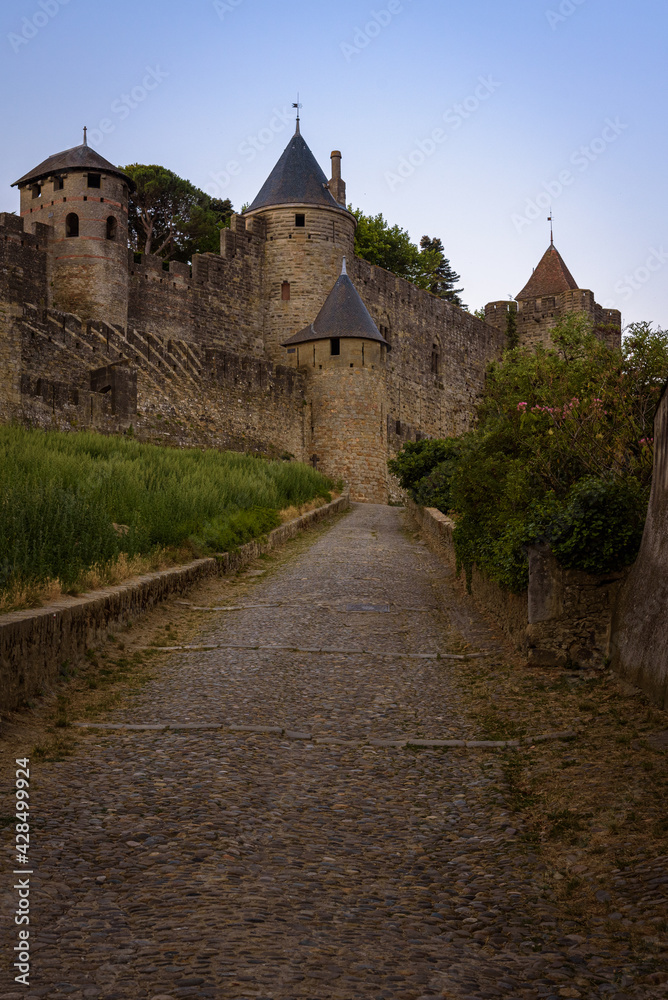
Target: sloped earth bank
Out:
[315,859]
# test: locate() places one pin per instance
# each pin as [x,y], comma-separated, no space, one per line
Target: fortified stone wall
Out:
[537,317]
[438,357]
[640,623]
[218,301]
[74,375]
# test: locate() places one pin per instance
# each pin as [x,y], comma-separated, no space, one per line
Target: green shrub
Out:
[417,459]
[563,452]
[599,529]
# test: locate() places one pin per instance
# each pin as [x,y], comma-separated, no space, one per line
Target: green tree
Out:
[384,245]
[435,273]
[170,217]
[390,247]
[512,336]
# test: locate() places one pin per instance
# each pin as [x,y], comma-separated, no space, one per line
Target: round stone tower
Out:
[344,357]
[308,231]
[84,199]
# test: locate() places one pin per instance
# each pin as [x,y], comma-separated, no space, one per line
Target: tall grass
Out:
[69,502]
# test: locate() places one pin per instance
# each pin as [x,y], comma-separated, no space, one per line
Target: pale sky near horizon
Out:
[462,119]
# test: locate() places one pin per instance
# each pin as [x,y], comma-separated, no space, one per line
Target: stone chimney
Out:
[337,187]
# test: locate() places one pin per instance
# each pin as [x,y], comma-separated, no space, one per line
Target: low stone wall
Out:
[570,612]
[508,610]
[563,618]
[35,644]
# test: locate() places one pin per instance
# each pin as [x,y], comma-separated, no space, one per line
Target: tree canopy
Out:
[390,247]
[170,217]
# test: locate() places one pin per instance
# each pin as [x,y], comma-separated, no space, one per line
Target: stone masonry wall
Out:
[218,302]
[347,416]
[421,401]
[640,625]
[185,395]
[536,317]
[563,618]
[89,274]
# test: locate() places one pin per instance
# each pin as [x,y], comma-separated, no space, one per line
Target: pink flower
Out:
[520,405]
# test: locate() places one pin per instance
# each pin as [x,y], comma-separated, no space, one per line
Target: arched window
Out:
[435,359]
[112,228]
[72,224]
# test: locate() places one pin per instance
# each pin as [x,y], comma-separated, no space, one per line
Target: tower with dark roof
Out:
[550,293]
[307,230]
[343,355]
[84,199]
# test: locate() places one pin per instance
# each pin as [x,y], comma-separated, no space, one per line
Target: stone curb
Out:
[34,644]
[462,657]
[405,743]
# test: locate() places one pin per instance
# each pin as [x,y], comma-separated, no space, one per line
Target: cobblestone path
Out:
[237,865]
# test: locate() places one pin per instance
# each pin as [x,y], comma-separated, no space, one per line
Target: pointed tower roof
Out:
[78,158]
[297,179]
[343,315]
[551,277]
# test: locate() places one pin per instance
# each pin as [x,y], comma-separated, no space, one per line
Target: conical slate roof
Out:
[297,179]
[78,158]
[343,315]
[551,277]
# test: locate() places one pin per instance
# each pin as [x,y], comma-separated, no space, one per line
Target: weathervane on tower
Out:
[298,106]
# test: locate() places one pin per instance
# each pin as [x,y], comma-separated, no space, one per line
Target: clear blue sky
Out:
[518,90]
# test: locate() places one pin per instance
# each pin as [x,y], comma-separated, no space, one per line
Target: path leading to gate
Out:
[225,864]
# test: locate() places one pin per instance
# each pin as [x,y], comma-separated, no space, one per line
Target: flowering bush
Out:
[563,451]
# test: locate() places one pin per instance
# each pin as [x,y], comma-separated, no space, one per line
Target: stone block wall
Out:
[570,612]
[427,396]
[89,273]
[74,375]
[640,625]
[218,302]
[563,619]
[536,317]
[347,416]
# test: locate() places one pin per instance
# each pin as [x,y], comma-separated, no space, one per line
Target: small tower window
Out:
[300,220]
[435,359]
[36,190]
[335,347]
[72,225]
[112,228]
[285,291]
[58,183]
[94,180]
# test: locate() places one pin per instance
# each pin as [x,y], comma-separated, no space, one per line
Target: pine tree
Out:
[437,274]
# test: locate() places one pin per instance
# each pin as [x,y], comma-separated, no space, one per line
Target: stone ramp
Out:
[222,864]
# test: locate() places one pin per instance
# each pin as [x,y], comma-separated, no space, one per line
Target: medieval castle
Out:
[285,343]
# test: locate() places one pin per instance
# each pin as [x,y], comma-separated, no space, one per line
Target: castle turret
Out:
[344,354]
[307,233]
[84,199]
[550,293]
